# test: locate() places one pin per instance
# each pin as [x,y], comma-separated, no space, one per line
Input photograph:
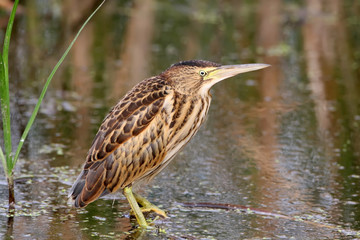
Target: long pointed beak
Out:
[227,71]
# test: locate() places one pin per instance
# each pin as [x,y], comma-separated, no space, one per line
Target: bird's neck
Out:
[189,112]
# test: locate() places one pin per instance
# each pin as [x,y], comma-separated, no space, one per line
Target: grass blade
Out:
[5,98]
[5,112]
[6,45]
[37,106]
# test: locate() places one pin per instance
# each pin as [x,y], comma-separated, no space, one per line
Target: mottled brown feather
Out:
[144,131]
[116,151]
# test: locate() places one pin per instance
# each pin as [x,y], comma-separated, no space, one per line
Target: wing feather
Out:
[127,145]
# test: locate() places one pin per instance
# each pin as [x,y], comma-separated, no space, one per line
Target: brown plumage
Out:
[146,129]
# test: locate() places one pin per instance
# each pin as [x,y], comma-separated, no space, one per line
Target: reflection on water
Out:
[284,140]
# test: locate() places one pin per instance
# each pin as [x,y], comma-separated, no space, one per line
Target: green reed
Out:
[9,159]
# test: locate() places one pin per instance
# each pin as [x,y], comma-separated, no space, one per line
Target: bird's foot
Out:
[155,209]
[147,206]
[151,208]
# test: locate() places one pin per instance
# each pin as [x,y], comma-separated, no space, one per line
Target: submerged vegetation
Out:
[8,158]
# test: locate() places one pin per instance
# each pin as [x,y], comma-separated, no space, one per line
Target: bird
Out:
[144,131]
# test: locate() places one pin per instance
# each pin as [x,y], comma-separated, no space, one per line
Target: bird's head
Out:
[198,76]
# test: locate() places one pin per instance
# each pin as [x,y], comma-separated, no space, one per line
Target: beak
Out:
[227,71]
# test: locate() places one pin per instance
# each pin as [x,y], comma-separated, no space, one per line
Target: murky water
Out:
[280,147]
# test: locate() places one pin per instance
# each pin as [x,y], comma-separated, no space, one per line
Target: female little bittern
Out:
[147,128]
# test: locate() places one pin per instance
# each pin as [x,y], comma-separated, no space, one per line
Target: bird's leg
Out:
[135,207]
[148,206]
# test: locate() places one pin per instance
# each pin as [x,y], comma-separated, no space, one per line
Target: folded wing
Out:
[128,146]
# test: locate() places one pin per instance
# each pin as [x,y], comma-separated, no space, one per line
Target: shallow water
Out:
[280,146]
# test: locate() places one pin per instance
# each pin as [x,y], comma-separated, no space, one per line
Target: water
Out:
[280,145]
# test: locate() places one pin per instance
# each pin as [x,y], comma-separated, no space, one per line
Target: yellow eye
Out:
[202,73]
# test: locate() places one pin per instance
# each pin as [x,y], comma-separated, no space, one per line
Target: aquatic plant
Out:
[8,158]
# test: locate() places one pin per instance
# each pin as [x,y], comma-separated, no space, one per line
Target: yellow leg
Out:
[135,207]
[148,206]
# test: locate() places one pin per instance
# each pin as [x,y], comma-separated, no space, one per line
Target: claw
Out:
[155,209]
[148,206]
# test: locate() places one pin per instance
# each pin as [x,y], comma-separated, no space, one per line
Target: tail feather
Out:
[91,183]
[76,189]
[82,193]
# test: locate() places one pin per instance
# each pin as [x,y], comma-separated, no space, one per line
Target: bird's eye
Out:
[202,73]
